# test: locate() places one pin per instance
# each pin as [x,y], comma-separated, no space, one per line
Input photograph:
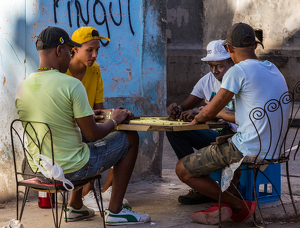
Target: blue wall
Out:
[133,63]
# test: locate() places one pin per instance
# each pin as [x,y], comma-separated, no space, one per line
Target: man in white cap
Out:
[184,142]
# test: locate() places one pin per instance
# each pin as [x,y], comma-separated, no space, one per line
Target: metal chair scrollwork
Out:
[29,134]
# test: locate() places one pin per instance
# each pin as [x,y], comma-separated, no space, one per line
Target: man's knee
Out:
[133,137]
[180,170]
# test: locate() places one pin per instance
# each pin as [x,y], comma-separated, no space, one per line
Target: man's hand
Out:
[188,115]
[197,119]
[121,115]
[174,111]
[100,114]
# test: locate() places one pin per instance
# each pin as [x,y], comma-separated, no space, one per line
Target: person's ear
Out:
[230,49]
[59,50]
[75,49]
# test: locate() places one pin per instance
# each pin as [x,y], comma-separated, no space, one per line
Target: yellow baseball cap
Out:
[86,33]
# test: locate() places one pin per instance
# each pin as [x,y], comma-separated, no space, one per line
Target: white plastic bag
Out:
[14,224]
[50,171]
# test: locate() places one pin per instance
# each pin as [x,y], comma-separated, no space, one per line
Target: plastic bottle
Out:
[44,200]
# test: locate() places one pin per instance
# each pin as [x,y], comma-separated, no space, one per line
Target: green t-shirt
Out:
[56,99]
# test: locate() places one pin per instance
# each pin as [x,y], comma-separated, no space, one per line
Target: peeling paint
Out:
[129,76]
[4,81]
[34,27]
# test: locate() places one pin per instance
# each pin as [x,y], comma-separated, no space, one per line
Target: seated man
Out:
[184,142]
[59,100]
[253,83]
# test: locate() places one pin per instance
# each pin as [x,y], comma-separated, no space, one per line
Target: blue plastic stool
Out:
[265,191]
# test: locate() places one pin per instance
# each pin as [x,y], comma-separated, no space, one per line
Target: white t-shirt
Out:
[207,87]
[254,83]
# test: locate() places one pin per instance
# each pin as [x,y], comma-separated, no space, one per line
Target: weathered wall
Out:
[133,64]
[185,47]
[12,73]
[278,20]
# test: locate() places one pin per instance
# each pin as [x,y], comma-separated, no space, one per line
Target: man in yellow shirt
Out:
[84,68]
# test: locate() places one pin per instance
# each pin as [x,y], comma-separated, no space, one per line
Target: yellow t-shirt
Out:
[93,84]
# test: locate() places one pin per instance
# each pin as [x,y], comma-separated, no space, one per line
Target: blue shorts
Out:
[104,153]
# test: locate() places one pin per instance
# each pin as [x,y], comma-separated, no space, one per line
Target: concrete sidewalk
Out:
[158,198]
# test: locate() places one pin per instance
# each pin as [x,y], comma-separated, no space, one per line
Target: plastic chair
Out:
[278,148]
[38,133]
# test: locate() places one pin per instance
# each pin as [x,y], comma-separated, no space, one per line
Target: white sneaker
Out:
[90,201]
[107,195]
[78,214]
[125,216]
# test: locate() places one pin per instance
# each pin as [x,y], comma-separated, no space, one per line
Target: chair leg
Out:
[220,198]
[23,202]
[101,209]
[255,171]
[290,188]
[273,186]
[17,198]
[54,213]
[64,206]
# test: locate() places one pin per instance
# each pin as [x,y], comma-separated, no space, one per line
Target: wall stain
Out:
[4,81]
[129,76]
[116,80]
[34,29]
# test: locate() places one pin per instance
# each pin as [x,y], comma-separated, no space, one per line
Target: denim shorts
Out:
[104,153]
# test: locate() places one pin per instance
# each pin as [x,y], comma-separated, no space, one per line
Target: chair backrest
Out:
[29,138]
[277,116]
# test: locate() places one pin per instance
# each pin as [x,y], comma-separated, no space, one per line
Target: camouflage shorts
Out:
[209,159]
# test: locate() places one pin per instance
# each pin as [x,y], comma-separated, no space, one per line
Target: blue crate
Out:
[267,192]
[216,175]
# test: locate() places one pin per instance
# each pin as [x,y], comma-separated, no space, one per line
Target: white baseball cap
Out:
[216,51]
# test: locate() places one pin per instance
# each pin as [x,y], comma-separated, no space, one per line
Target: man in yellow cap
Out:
[83,66]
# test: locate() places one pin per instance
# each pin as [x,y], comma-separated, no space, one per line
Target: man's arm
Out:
[98,106]
[190,103]
[226,115]
[221,99]
[174,111]
[93,131]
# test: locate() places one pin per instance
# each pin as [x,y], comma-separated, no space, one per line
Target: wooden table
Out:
[172,126]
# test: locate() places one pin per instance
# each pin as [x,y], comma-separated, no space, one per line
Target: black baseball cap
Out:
[241,35]
[52,37]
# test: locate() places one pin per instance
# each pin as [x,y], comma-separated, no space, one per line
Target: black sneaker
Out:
[194,197]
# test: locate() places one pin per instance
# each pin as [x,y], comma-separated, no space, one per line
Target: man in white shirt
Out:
[253,83]
[184,142]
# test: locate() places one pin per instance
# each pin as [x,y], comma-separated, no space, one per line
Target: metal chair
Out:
[38,133]
[278,148]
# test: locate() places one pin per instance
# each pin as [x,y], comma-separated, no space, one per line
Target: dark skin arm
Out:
[93,131]
[191,102]
[208,112]
[227,115]
[98,106]
[99,115]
